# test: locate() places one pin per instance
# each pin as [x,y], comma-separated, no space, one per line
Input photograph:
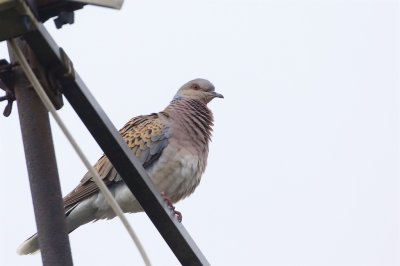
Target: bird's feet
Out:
[168,200]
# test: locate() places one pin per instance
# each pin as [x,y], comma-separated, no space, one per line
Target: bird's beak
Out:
[217,95]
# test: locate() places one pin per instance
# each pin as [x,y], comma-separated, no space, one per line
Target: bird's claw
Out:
[170,205]
[178,215]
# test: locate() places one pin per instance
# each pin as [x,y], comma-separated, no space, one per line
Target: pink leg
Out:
[168,200]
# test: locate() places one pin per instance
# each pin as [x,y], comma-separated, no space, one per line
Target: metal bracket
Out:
[7,84]
[15,19]
[64,18]
[68,71]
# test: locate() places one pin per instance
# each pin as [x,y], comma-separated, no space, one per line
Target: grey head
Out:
[198,89]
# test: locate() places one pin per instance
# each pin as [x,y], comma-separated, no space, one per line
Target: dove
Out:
[172,146]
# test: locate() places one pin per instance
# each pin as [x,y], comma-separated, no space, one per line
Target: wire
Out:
[96,178]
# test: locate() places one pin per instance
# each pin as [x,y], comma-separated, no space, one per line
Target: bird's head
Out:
[198,89]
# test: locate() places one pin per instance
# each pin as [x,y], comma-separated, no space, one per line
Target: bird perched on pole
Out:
[172,145]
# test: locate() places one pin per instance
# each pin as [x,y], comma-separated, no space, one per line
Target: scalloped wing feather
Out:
[146,136]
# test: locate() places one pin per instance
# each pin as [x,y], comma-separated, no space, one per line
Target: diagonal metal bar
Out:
[109,139]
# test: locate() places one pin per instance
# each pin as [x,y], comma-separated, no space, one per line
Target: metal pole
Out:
[42,171]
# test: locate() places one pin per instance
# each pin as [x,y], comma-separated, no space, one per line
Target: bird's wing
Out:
[146,135]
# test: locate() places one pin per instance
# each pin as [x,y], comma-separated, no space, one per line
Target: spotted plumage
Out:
[172,146]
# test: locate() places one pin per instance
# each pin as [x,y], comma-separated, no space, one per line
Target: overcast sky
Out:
[304,161]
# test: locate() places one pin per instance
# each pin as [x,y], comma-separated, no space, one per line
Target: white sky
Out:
[304,163]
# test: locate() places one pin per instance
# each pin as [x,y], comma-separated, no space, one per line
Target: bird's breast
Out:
[178,171]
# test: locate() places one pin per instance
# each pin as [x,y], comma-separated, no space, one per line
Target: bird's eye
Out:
[195,86]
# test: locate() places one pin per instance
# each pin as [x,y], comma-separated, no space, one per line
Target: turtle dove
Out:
[172,145]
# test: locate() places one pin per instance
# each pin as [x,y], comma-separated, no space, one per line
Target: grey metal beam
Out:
[42,171]
[109,139]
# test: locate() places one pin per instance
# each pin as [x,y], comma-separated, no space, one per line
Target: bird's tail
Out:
[29,246]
